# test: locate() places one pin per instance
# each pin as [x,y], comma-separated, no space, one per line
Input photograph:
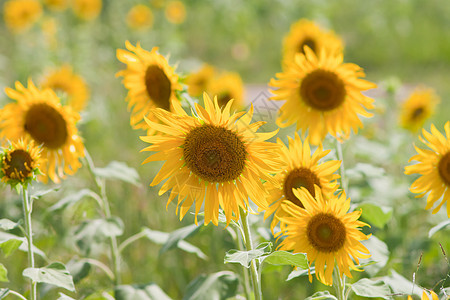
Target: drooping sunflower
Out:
[216,158]
[175,12]
[325,231]
[303,170]
[39,116]
[56,5]
[323,95]
[87,9]
[197,82]
[227,86]
[140,17]
[20,163]
[20,15]
[418,108]
[307,33]
[434,166]
[70,83]
[150,81]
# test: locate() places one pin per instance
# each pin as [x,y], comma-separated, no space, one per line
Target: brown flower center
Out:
[297,178]
[444,168]
[158,86]
[223,99]
[17,165]
[418,112]
[322,90]
[307,42]
[46,126]
[326,233]
[214,154]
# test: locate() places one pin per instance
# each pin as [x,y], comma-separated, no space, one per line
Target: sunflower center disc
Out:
[297,178]
[417,113]
[444,168]
[214,154]
[326,233]
[307,42]
[19,162]
[158,86]
[223,99]
[322,90]
[46,125]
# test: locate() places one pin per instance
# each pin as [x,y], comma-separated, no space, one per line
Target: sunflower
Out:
[175,12]
[307,33]
[56,5]
[425,296]
[39,116]
[323,95]
[197,82]
[418,108]
[140,17]
[70,83]
[20,163]
[303,170]
[217,158]
[325,232]
[227,86]
[87,9]
[20,15]
[434,166]
[150,81]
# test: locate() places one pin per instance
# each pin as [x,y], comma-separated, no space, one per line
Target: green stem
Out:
[248,244]
[29,236]
[339,284]
[342,167]
[239,242]
[16,294]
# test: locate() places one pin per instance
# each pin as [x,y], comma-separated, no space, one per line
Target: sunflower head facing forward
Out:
[323,95]
[198,81]
[20,15]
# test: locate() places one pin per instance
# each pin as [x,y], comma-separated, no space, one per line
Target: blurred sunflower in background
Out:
[198,81]
[323,95]
[150,80]
[71,84]
[39,116]
[418,108]
[140,17]
[227,86]
[433,296]
[434,166]
[308,33]
[325,231]
[87,9]
[175,12]
[57,5]
[216,158]
[303,170]
[20,15]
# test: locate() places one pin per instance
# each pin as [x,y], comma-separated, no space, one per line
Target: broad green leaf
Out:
[64,297]
[55,274]
[379,254]
[323,295]
[376,215]
[401,285]
[217,286]
[71,199]
[246,257]
[3,274]
[6,224]
[97,231]
[298,273]
[287,258]
[9,246]
[438,227]
[372,289]
[142,292]
[180,234]
[78,269]
[120,171]
[4,236]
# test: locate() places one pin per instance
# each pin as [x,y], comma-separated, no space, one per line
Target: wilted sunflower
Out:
[227,86]
[150,81]
[216,158]
[20,15]
[175,12]
[39,116]
[303,170]
[434,166]
[70,83]
[325,232]
[140,17]
[197,82]
[87,9]
[56,5]
[20,163]
[418,108]
[323,95]
[307,33]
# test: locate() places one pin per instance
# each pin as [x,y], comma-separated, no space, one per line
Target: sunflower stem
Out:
[342,168]
[249,246]
[339,284]
[239,242]
[27,209]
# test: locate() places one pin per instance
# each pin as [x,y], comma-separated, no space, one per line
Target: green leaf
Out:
[71,199]
[401,285]
[6,224]
[217,286]
[120,171]
[365,170]
[376,215]
[287,258]
[97,231]
[55,274]
[298,273]
[323,295]
[142,292]
[372,289]
[39,194]
[3,273]
[438,227]
[180,234]
[64,297]
[379,254]
[4,236]
[245,257]
[9,246]
[78,269]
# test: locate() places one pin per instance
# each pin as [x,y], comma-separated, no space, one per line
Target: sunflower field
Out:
[208,150]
